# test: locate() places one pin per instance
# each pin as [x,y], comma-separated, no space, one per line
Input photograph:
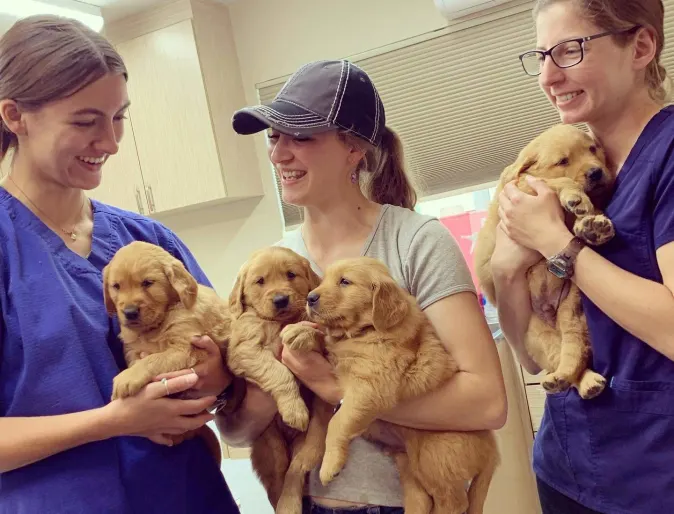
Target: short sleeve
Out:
[663,214]
[180,251]
[435,267]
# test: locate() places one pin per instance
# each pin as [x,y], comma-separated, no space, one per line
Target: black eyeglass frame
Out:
[580,40]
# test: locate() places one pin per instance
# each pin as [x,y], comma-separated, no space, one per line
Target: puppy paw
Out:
[591,385]
[554,383]
[295,414]
[576,203]
[595,229]
[299,337]
[333,463]
[128,383]
[288,505]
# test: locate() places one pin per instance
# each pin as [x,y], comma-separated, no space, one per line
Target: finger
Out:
[163,439]
[537,185]
[171,386]
[191,407]
[206,343]
[308,324]
[142,355]
[173,374]
[194,422]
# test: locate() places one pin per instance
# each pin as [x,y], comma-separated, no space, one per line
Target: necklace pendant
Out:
[73,236]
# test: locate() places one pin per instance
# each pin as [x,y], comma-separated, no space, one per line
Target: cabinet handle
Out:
[139,202]
[150,197]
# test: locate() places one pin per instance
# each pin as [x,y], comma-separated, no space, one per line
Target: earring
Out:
[354,177]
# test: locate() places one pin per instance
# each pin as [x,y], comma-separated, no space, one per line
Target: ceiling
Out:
[116,9]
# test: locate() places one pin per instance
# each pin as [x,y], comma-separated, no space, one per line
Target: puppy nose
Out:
[131,312]
[281,301]
[312,299]
[595,174]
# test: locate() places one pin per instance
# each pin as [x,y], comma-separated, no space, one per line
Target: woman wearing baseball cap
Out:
[336,158]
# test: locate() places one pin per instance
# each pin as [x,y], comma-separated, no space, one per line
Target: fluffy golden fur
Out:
[161,308]
[573,165]
[269,293]
[385,351]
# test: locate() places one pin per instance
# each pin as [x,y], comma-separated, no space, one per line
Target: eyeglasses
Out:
[565,54]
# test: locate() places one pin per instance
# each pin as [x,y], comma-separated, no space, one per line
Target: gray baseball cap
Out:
[320,96]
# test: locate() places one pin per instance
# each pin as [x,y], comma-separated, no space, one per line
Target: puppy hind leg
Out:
[270,460]
[415,498]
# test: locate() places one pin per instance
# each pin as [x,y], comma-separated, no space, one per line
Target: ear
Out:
[312,277]
[182,282]
[236,300]
[645,47]
[389,305]
[11,117]
[520,166]
[109,304]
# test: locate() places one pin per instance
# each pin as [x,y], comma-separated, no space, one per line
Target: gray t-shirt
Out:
[424,258]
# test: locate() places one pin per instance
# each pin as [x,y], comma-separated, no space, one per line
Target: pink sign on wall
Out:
[464,227]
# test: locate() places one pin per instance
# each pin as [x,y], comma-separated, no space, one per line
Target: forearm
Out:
[25,441]
[514,311]
[642,307]
[467,402]
[240,428]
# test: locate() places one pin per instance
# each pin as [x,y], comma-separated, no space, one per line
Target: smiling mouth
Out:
[93,161]
[292,176]
[567,97]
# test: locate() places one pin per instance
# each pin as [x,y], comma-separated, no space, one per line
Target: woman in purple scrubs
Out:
[598,63]
[64,447]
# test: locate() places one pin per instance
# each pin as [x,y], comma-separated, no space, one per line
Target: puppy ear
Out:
[520,166]
[236,299]
[389,305]
[109,304]
[182,282]
[312,277]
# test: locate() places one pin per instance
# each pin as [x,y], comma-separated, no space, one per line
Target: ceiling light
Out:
[87,14]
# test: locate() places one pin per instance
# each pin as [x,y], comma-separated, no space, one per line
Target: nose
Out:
[550,74]
[279,150]
[312,299]
[109,138]
[281,301]
[595,174]
[131,312]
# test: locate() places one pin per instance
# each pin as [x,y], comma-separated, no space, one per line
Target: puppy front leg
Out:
[357,411]
[302,338]
[130,381]
[260,366]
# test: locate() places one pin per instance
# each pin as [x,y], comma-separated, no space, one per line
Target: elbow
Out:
[495,411]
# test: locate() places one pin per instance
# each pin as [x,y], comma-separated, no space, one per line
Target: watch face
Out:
[558,268]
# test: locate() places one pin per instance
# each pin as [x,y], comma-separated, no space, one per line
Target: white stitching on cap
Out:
[339,84]
[346,83]
[376,116]
[278,119]
[266,111]
[292,79]
[301,107]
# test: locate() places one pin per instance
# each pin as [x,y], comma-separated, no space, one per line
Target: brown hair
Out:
[47,58]
[386,180]
[621,15]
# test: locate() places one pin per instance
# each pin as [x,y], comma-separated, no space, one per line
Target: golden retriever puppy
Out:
[385,351]
[269,293]
[161,308]
[573,165]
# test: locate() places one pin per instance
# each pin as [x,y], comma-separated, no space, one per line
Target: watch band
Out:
[562,264]
[231,398]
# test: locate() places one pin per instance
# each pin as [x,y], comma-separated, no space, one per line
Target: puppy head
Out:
[357,293]
[142,281]
[274,284]
[566,151]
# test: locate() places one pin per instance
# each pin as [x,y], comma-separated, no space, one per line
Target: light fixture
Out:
[88,14]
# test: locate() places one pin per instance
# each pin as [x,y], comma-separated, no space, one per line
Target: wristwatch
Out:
[231,398]
[561,265]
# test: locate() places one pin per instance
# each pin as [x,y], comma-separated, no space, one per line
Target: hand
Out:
[150,414]
[314,371]
[510,258]
[214,377]
[534,221]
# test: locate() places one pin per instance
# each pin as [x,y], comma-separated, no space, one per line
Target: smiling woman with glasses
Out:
[598,63]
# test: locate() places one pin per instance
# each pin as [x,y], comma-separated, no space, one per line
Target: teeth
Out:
[570,96]
[93,160]
[287,175]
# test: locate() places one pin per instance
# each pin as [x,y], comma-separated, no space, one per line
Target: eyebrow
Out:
[566,40]
[98,112]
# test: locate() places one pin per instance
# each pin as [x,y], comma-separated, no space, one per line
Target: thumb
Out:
[206,343]
[172,385]
[537,184]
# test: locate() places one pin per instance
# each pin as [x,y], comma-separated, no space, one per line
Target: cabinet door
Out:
[122,182]
[171,119]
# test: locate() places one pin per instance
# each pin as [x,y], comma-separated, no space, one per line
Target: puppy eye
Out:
[563,162]
[260,281]
[291,275]
[146,283]
[344,282]
[593,149]
[115,286]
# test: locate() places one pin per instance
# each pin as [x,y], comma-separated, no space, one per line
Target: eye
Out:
[84,123]
[593,149]
[115,286]
[344,282]
[260,281]
[563,162]
[146,283]
[291,275]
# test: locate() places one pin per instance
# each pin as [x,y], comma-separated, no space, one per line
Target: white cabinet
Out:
[179,149]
